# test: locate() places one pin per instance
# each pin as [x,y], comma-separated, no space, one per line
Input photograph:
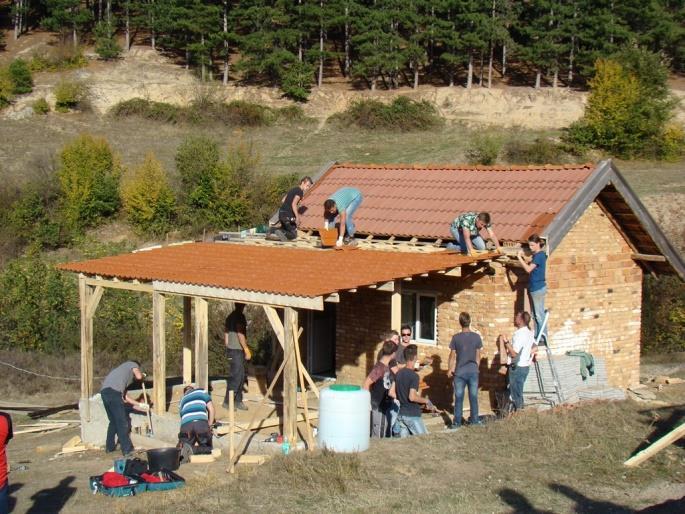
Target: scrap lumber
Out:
[202,459]
[656,447]
[253,459]
[52,410]
[51,427]
[264,423]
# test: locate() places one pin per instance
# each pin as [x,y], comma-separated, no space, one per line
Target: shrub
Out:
[246,114]
[148,200]
[296,80]
[69,94]
[21,77]
[147,109]
[29,221]
[292,114]
[6,87]
[402,114]
[663,316]
[89,181]
[672,142]
[539,151]
[41,106]
[62,57]
[106,45]
[484,150]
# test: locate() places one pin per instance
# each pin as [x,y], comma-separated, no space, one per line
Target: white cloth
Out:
[522,342]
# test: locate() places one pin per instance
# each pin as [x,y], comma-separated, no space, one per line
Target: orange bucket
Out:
[328,236]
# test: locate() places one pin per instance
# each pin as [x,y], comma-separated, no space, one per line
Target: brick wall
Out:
[594,298]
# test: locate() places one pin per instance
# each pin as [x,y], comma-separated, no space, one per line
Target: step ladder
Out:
[552,367]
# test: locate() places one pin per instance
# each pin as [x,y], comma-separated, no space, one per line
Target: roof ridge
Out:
[466,167]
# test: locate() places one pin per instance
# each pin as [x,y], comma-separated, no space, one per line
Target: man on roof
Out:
[289,214]
[466,230]
[342,205]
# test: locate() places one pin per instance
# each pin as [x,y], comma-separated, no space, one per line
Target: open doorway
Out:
[321,341]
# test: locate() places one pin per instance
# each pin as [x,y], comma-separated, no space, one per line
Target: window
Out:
[419,312]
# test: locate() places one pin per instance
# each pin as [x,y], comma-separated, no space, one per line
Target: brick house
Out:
[600,241]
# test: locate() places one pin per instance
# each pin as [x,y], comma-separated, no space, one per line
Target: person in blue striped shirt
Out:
[197,417]
[343,203]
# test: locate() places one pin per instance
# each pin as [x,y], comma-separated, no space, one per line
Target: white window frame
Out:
[416,326]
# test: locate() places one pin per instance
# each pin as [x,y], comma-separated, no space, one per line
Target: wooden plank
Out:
[396,308]
[231,431]
[95,301]
[263,423]
[158,352]
[120,284]
[303,388]
[454,272]
[253,459]
[201,343]
[85,292]
[43,428]
[646,257]
[388,286]
[656,447]
[74,441]
[332,298]
[187,340]
[290,377]
[202,459]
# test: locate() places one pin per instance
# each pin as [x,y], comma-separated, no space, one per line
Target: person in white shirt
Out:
[520,350]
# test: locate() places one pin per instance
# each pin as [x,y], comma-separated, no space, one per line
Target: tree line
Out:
[378,43]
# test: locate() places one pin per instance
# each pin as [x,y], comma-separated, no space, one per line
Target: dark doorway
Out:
[321,341]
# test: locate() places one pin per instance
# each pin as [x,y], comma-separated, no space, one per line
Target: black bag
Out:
[135,467]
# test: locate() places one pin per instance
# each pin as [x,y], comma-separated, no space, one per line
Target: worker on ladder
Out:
[536,267]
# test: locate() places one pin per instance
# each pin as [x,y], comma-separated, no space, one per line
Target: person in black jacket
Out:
[289,214]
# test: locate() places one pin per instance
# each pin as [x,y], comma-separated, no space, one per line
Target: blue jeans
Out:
[537,300]
[460,383]
[393,413]
[5,498]
[458,235]
[517,377]
[349,222]
[411,425]
[118,421]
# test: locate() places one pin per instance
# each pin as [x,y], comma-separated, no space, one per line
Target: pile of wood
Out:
[45,426]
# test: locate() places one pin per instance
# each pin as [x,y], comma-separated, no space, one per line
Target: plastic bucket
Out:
[344,418]
[163,458]
[328,236]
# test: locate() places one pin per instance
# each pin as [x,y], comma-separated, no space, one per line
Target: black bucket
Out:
[163,458]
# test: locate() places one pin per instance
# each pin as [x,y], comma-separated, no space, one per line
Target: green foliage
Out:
[663,315]
[402,114]
[147,109]
[296,80]
[21,77]
[148,200]
[89,181]
[6,87]
[30,221]
[70,94]
[672,142]
[39,306]
[106,45]
[483,149]
[41,106]
[628,108]
[61,57]
[539,151]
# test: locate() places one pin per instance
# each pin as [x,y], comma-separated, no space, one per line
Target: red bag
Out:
[112,479]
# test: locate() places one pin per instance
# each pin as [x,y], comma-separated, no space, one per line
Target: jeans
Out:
[349,222]
[197,432]
[458,235]
[460,383]
[118,421]
[393,413]
[380,422]
[236,374]
[5,498]
[537,300]
[411,425]
[517,377]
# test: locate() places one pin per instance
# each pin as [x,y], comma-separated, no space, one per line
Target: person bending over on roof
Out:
[343,204]
[197,417]
[537,285]
[466,230]
[378,383]
[115,401]
[288,214]
[235,340]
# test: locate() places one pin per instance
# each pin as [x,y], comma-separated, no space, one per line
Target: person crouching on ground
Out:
[406,390]
[378,383]
[343,204]
[115,401]
[197,417]
[464,359]
[520,350]
[289,214]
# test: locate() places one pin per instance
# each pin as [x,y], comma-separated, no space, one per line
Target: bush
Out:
[246,114]
[106,45]
[402,114]
[41,106]
[148,200]
[69,94]
[539,151]
[292,114]
[672,142]
[663,315]
[6,87]
[483,150]
[147,109]
[21,77]
[62,57]
[296,80]
[89,181]
[29,221]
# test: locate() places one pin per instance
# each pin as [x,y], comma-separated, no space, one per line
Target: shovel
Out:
[149,416]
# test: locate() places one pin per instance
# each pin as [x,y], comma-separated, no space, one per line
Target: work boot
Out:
[241,406]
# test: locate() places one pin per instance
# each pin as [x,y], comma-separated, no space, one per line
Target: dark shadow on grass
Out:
[12,500]
[587,505]
[52,499]
[663,426]
[519,503]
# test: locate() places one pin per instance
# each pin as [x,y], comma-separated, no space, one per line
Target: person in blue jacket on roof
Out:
[343,204]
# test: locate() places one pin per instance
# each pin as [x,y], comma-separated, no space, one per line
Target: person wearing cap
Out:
[342,204]
[197,418]
[118,404]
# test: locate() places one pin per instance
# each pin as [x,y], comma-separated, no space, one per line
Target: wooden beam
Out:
[290,377]
[303,388]
[120,284]
[332,298]
[94,301]
[407,279]
[656,447]
[201,343]
[158,353]
[454,272]
[396,308]
[646,257]
[353,290]
[187,340]
[85,294]
[387,286]
[239,295]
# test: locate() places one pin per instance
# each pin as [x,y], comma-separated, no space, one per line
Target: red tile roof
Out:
[422,201]
[306,272]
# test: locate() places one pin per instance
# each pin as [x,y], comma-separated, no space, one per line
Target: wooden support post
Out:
[85,293]
[231,433]
[396,307]
[656,447]
[290,377]
[201,343]
[187,340]
[303,388]
[159,352]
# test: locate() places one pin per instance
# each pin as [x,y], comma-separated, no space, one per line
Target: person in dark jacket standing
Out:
[115,399]
[289,214]
[235,340]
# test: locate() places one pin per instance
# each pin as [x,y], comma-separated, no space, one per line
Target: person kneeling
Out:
[197,418]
